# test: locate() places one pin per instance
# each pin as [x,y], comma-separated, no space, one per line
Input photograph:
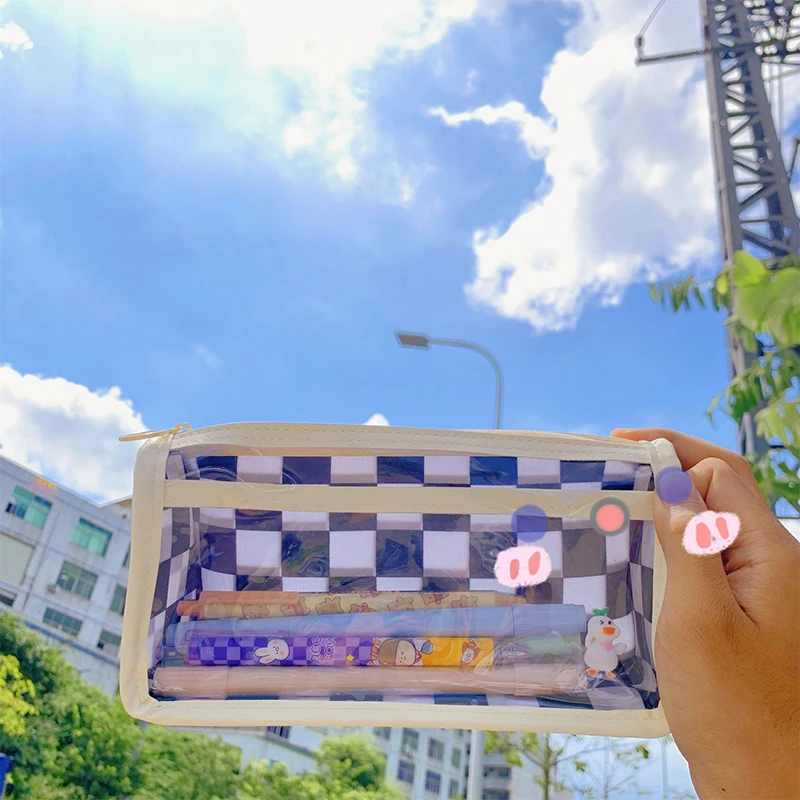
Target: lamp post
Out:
[418,340]
[423,342]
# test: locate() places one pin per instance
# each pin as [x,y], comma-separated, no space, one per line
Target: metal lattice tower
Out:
[756,208]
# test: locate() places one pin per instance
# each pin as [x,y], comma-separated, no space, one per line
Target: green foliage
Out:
[763,308]
[82,745]
[561,762]
[16,691]
[348,768]
[79,743]
[261,781]
[352,761]
[185,766]
[69,741]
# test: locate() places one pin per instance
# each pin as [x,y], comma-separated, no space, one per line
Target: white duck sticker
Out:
[602,654]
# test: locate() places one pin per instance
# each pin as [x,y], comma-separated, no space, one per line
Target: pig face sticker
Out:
[710,532]
[526,565]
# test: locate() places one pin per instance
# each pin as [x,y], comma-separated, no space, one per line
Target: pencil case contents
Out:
[389,577]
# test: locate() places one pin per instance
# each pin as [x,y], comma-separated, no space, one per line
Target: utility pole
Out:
[756,209]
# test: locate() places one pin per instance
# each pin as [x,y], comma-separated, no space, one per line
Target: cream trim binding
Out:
[397,499]
[151,492]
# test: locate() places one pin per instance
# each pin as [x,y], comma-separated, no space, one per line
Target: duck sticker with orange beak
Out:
[602,652]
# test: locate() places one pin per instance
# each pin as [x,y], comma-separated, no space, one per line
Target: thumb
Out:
[699,579]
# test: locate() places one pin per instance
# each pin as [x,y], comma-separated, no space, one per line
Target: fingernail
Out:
[690,507]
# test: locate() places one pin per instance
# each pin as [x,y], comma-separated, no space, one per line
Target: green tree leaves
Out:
[768,301]
[348,768]
[185,766]
[764,312]
[69,741]
[79,743]
[561,762]
[16,692]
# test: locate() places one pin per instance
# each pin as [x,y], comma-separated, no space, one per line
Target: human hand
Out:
[727,646]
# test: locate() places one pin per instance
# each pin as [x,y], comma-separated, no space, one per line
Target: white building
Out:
[64,569]
[425,764]
[502,781]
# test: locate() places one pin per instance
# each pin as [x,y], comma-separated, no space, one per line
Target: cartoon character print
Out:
[297,609]
[470,651]
[401,604]
[360,609]
[399,652]
[602,652]
[276,650]
[432,598]
[330,605]
[465,602]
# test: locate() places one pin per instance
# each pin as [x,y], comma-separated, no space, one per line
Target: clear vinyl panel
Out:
[401,606]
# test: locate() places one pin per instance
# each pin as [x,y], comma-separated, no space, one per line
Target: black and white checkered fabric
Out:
[232,549]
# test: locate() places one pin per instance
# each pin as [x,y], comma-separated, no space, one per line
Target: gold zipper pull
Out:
[133,437]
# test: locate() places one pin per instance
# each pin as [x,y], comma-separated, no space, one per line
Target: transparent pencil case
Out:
[328,574]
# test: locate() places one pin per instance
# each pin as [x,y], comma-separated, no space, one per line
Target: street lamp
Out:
[422,342]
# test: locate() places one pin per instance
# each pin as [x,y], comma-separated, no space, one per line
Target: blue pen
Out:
[496,622]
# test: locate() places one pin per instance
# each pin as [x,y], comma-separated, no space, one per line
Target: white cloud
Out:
[534,133]
[69,433]
[12,37]
[295,76]
[377,419]
[628,192]
[208,357]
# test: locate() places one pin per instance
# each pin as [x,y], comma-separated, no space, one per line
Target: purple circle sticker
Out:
[673,485]
[529,523]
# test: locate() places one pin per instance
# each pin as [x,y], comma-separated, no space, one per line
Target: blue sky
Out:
[222,212]
[151,244]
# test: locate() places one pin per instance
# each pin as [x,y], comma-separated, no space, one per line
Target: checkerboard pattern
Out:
[239,651]
[524,473]
[234,549]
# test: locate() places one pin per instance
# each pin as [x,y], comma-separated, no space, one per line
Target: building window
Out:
[109,643]
[6,598]
[433,782]
[410,741]
[497,772]
[496,794]
[91,537]
[118,601]
[76,580]
[435,749]
[55,619]
[383,733]
[453,790]
[127,559]
[28,506]
[279,730]
[405,772]
[455,758]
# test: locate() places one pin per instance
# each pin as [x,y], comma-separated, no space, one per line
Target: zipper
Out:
[134,437]
[540,438]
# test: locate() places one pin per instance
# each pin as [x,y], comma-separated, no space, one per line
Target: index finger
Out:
[691,450]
